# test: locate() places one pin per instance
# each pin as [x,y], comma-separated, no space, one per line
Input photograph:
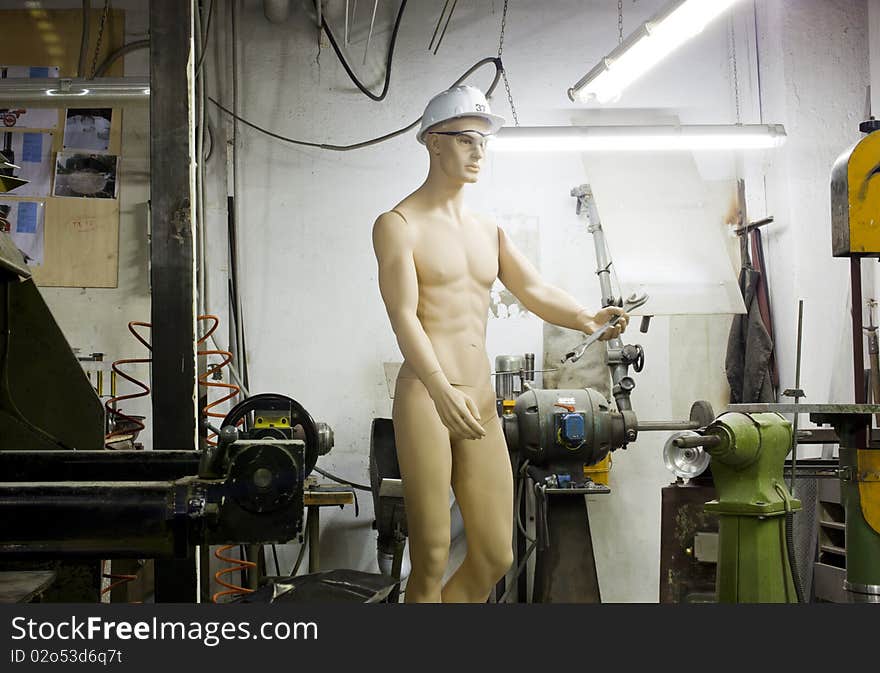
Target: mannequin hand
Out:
[457,411]
[602,317]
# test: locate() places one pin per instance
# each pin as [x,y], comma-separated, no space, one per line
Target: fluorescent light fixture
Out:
[655,39]
[638,138]
[54,92]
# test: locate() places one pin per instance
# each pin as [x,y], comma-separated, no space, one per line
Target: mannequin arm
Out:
[398,283]
[546,301]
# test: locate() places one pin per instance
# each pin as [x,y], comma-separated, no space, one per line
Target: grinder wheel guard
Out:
[292,409]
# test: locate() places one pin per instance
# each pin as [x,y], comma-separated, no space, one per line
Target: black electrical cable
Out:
[348,69]
[520,495]
[519,571]
[302,549]
[6,392]
[792,557]
[499,68]
[340,480]
[354,485]
[119,53]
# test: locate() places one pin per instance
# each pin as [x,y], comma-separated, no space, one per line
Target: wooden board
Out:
[81,241]
[81,245]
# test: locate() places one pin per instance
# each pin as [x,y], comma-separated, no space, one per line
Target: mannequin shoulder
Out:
[487,223]
[391,230]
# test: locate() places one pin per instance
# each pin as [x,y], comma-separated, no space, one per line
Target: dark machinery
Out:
[63,496]
[124,504]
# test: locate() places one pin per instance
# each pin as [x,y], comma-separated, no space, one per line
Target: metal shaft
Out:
[445,26]
[797,385]
[437,27]
[707,441]
[668,426]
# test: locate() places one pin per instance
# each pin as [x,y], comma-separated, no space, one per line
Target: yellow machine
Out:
[855,200]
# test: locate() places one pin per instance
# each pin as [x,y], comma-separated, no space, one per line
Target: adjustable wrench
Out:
[632,303]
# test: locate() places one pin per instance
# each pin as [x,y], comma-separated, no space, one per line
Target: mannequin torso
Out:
[456,263]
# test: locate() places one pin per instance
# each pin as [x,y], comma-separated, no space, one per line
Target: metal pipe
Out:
[797,386]
[668,426]
[437,27]
[445,26]
[708,441]
[97,466]
[89,520]
[58,91]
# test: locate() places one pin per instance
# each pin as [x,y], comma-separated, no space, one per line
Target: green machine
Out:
[748,446]
[747,457]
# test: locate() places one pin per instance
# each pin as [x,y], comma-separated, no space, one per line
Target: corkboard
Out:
[81,244]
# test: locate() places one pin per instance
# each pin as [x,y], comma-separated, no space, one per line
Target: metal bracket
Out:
[848,473]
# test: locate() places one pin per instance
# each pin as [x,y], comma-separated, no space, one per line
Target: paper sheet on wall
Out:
[665,228]
[32,154]
[29,118]
[23,221]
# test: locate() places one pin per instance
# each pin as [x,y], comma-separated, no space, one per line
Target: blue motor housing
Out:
[570,430]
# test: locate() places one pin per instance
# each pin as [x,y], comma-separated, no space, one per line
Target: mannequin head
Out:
[457,148]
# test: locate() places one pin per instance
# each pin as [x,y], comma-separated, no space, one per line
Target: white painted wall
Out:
[316,327]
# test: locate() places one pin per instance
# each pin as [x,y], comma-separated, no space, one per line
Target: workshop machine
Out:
[553,434]
[64,496]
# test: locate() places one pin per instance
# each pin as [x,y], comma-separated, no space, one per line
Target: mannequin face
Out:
[460,156]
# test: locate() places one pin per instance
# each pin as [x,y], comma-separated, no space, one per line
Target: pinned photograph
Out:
[87,129]
[90,176]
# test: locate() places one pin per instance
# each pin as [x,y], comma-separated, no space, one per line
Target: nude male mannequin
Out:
[437,262]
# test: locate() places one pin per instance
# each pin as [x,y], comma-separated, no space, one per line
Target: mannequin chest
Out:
[447,254]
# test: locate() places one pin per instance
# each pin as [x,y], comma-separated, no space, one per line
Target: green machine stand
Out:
[859,472]
[748,454]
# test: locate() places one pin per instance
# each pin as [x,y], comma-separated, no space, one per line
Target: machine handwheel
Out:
[297,415]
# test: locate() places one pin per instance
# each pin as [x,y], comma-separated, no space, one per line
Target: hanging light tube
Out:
[638,138]
[58,92]
[655,39]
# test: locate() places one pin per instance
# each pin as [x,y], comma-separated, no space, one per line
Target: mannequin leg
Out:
[425,460]
[483,483]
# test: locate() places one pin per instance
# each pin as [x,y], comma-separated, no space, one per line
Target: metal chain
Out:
[503,69]
[100,36]
[619,21]
[732,47]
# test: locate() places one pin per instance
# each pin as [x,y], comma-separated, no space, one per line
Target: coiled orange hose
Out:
[119,577]
[211,370]
[145,389]
[237,566]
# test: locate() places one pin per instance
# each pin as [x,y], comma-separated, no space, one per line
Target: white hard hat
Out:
[459,101]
